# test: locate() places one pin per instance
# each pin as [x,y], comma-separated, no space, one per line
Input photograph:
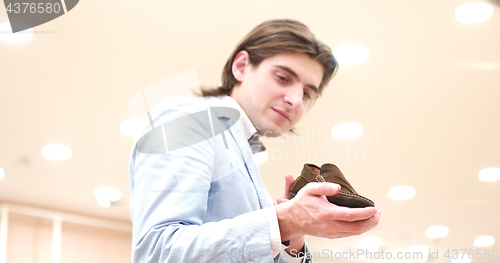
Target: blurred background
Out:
[418,86]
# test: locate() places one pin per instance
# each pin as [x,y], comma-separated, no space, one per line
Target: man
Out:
[206,202]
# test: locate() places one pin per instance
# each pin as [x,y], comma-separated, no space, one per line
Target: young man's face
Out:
[276,94]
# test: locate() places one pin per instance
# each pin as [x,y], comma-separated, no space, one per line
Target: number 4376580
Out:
[471,253]
[34,8]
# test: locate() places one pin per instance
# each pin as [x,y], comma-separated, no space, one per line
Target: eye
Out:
[307,95]
[281,78]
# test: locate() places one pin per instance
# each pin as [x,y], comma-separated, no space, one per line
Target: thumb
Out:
[326,188]
[288,183]
[281,200]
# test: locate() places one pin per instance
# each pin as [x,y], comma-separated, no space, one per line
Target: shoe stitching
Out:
[320,178]
[355,195]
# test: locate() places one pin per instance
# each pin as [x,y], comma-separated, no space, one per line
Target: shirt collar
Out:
[248,127]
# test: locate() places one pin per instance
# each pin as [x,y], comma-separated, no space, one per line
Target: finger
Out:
[281,200]
[357,227]
[288,183]
[352,214]
[326,188]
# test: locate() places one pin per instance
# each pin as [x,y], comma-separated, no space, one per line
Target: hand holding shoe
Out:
[310,213]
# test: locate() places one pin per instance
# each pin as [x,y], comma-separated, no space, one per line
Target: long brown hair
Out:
[272,37]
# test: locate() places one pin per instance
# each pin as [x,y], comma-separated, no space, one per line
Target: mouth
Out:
[283,115]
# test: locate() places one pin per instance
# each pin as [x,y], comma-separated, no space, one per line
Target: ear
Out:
[240,65]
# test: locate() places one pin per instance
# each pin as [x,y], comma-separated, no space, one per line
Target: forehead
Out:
[307,69]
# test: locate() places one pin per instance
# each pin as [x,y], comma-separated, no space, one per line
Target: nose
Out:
[293,97]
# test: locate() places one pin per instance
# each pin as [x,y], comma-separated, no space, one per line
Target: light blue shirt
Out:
[200,203]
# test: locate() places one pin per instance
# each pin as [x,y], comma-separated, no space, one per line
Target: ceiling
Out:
[427,97]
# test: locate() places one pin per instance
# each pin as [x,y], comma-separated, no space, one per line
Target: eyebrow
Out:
[289,70]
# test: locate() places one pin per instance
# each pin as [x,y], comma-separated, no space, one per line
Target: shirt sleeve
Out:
[275,237]
[274,232]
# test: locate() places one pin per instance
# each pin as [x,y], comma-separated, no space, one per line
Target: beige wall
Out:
[30,241]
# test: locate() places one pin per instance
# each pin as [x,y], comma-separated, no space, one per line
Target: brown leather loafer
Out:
[331,173]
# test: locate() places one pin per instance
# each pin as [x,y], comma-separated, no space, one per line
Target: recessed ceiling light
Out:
[485,65]
[132,126]
[423,253]
[104,203]
[57,151]
[261,157]
[473,12]
[370,242]
[489,174]
[7,35]
[350,53]
[401,192]
[347,131]
[106,195]
[484,241]
[436,231]
[461,258]
[2,173]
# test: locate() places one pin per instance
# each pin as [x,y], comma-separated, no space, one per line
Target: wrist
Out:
[285,223]
[296,246]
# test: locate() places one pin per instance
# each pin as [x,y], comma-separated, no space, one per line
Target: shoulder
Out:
[175,107]
[177,102]
[189,104]
[178,109]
